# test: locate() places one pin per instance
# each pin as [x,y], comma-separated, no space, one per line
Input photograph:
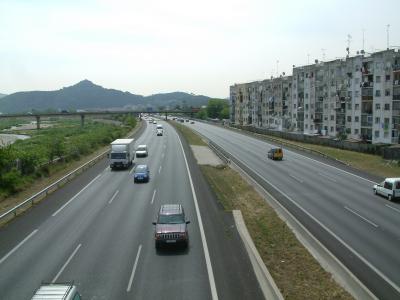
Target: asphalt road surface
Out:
[335,203]
[97,232]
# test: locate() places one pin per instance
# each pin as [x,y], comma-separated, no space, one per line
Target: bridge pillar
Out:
[37,122]
[166,116]
[82,120]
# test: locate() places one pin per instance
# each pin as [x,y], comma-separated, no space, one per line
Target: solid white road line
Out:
[394,208]
[130,172]
[364,260]
[19,245]
[134,269]
[211,279]
[159,169]
[70,200]
[365,219]
[152,198]
[106,168]
[296,178]
[112,198]
[327,176]
[66,263]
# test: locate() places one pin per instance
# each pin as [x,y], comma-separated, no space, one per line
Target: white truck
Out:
[122,153]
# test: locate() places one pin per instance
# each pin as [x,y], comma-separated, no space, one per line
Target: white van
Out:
[389,188]
[160,130]
[57,291]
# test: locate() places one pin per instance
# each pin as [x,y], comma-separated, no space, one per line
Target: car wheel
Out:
[375,192]
[390,197]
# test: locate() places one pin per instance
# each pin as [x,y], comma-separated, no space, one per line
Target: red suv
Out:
[171,226]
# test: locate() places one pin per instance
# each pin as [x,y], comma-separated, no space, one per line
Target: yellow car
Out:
[275,154]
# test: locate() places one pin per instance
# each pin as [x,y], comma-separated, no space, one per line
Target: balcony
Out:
[367,84]
[396,82]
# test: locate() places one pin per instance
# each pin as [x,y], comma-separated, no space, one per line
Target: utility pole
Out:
[348,44]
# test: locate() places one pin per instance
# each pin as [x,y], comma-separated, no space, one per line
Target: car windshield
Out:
[141,149]
[171,219]
[141,169]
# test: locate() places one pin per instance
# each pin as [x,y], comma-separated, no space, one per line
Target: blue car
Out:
[141,173]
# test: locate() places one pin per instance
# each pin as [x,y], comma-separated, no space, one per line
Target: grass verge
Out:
[193,139]
[297,274]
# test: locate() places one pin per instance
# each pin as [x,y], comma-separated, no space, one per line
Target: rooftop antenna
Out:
[277,63]
[363,31]
[323,54]
[348,44]
[387,33]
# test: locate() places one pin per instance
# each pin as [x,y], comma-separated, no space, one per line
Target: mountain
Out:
[89,96]
[2,95]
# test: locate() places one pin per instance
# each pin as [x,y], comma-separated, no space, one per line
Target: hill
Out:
[89,96]
[2,95]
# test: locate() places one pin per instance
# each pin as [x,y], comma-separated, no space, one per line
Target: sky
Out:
[202,47]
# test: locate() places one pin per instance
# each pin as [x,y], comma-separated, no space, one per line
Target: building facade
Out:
[357,97]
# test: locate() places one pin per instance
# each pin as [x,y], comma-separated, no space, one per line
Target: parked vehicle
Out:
[389,188]
[122,153]
[141,151]
[57,291]
[275,154]
[171,226]
[141,174]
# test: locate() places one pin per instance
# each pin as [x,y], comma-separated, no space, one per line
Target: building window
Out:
[326,118]
[294,105]
[377,120]
[331,128]
[387,78]
[356,119]
[326,105]
[376,133]
[386,134]
[387,106]
[348,118]
[306,126]
[357,106]
[332,117]
[306,116]
[306,104]
[355,131]
[387,92]
[377,93]
[349,106]
[377,106]
[378,79]
[357,93]
[306,95]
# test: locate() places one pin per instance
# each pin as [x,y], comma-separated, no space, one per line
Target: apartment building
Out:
[358,97]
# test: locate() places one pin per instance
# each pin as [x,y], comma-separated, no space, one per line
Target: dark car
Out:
[141,173]
[275,154]
[171,226]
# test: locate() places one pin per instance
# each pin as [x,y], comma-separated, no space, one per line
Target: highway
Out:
[97,232]
[335,203]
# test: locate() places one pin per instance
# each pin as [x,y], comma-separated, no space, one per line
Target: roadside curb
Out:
[265,280]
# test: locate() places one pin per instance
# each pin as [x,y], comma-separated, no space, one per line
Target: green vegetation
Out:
[216,109]
[25,160]
[8,123]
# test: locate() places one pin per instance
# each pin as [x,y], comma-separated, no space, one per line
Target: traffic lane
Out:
[233,271]
[334,207]
[347,230]
[355,193]
[20,227]
[43,253]
[172,273]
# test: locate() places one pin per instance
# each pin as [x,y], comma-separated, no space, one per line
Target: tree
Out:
[218,108]
[202,114]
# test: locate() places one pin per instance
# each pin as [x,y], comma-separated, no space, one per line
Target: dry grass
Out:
[297,274]
[191,137]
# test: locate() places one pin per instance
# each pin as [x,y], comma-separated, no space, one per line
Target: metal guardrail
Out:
[57,184]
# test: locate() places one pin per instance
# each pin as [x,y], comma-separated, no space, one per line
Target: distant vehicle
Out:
[160,130]
[141,173]
[171,226]
[122,153]
[181,120]
[275,154]
[154,122]
[191,122]
[187,120]
[141,151]
[389,188]
[57,291]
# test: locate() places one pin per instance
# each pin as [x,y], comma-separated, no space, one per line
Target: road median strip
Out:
[295,271]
